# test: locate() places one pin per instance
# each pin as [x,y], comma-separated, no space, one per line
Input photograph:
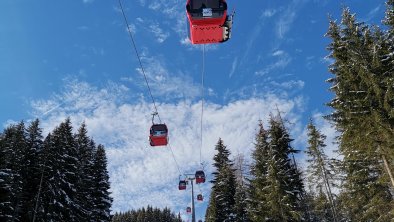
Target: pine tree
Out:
[360,117]
[31,169]
[86,186]
[7,173]
[258,210]
[224,186]
[101,194]
[276,185]
[240,197]
[320,173]
[14,147]
[210,214]
[59,191]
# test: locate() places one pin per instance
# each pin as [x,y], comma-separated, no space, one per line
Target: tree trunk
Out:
[387,167]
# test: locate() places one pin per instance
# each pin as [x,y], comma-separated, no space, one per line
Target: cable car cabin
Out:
[158,135]
[200,197]
[188,210]
[200,177]
[208,21]
[182,185]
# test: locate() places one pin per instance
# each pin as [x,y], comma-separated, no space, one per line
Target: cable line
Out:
[176,162]
[202,100]
[139,59]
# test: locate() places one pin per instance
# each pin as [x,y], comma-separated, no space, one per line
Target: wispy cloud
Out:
[268,13]
[174,13]
[167,84]
[161,35]
[87,1]
[292,84]
[142,175]
[233,67]
[287,17]
[284,23]
[282,59]
[372,14]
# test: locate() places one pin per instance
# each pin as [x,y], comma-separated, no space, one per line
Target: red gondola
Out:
[200,177]
[188,210]
[182,185]
[158,135]
[208,21]
[200,197]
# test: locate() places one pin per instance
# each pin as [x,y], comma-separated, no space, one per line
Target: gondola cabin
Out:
[200,197]
[208,21]
[200,177]
[182,185]
[188,210]
[158,135]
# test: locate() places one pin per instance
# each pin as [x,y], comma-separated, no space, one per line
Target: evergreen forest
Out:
[148,214]
[62,177]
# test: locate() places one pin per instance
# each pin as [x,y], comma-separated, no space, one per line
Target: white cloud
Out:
[142,175]
[287,18]
[292,84]
[233,67]
[282,60]
[284,23]
[132,29]
[167,84]
[87,1]
[160,35]
[278,53]
[373,13]
[268,13]
[174,12]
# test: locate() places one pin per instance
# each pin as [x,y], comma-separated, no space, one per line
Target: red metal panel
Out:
[158,140]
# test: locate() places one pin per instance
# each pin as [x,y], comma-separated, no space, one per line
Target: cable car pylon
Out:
[191,178]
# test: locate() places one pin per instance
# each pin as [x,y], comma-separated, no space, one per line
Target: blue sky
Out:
[74,58]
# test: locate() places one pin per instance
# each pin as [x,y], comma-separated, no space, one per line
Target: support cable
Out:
[176,162]
[146,79]
[202,100]
[139,59]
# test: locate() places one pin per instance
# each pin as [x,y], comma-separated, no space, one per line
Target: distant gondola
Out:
[200,176]
[182,185]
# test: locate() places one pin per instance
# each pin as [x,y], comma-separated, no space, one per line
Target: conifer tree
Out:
[101,194]
[210,214]
[275,186]
[31,169]
[60,193]
[86,186]
[319,173]
[360,117]
[240,198]
[14,146]
[9,176]
[259,169]
[224,186]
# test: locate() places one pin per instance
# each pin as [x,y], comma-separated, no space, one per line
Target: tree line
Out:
[148,214]
[62,177]
[359,186]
